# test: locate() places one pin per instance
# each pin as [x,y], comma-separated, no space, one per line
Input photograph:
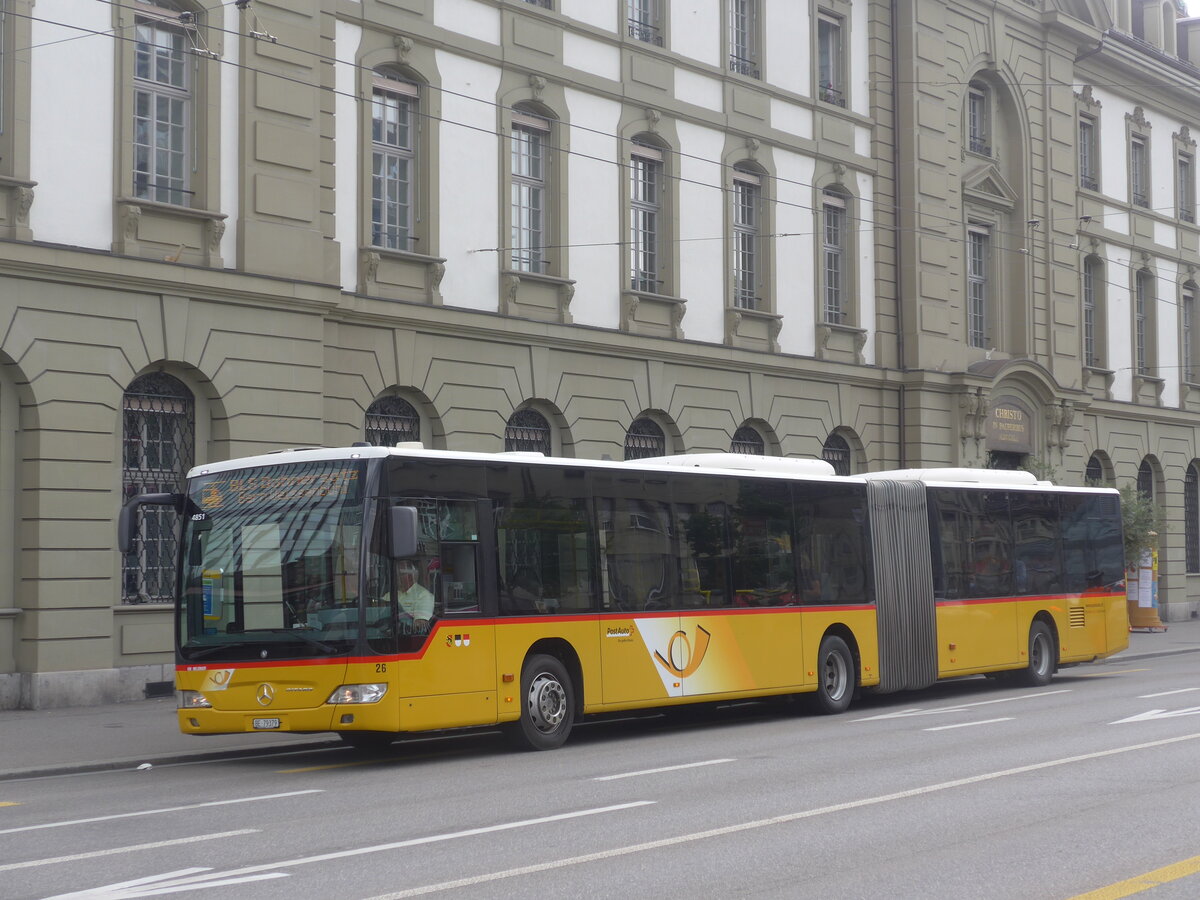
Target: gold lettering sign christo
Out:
[1008,429]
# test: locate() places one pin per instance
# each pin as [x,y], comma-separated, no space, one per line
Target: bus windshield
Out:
[270,562]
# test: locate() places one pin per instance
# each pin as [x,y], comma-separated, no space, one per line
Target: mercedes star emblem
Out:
[265,694]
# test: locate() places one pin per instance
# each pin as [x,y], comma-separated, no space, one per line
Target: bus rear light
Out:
[191,700]
[358,693]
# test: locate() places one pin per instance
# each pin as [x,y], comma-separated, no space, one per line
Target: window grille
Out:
[644,21]
[1094,473]
[829,60]
[743,37]
[836,452]
[391,421]
[1145,480]
[748,440]
[527,430]
[158,449]
[644,439]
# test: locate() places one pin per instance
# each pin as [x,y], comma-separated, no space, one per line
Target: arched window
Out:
[748,440]
[1191,517]
[1145,480]
[836,452]
[392,420]
[644,439]
[1094,473]
[527,430]
[158,448]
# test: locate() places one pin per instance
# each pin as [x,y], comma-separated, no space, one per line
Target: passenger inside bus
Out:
[416,601]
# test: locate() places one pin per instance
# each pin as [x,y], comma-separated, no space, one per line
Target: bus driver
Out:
[415,599]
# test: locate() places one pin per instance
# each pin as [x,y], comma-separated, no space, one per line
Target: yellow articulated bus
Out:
[377,591]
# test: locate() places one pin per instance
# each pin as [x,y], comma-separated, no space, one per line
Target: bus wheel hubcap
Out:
[547,702]
[835,676]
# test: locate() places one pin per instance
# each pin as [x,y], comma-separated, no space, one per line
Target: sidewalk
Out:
[125,735]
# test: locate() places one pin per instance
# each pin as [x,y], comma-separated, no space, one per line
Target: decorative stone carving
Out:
[653,117]
[629,307]
[1086,97]
[510,287]
[370,265]
[403,45]
[24,198]
[436,273]
[566,292]
[130,217]
[537,84]
[1138,119]
[216,231]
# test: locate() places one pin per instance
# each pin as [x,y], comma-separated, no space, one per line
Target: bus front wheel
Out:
[1040,668]
[547,705]
[835,675]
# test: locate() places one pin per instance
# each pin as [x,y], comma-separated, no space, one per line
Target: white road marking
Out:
[164,884]
[154,885]
[91,854]
[968,724]
[1159,714]
[154,812]
[777,820]
[707,762]
[918,711]
[1168,693]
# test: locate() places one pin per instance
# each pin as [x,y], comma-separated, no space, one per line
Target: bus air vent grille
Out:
[1076,616]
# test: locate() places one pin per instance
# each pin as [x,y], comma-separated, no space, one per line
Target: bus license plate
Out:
[265,723]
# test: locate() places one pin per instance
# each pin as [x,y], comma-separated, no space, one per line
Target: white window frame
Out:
[529,171]
[168,102]
[979,249]
[394,215]
[1142,298]
[831,86]
[645,218]
[747,239]
[1185,186]
[743,38]
[1090,271]
[1139,176]
[1089,177]
[979,132]
[833,258]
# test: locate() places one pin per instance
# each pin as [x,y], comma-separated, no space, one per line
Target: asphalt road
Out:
[967,790]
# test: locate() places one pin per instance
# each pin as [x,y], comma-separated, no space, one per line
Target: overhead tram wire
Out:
[892,209]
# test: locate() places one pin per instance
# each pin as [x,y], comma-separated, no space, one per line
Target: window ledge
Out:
[841,343]
[754,329]
[1148,389]
[152,230]
[1099,381]
[533,295]
[401,275]
[645,312]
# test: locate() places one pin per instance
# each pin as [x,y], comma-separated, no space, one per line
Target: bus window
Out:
[976,542]
[1037,556]
[760,526]
[1093,554]
[831,543]
[543,539]
[638,569]
[699,540]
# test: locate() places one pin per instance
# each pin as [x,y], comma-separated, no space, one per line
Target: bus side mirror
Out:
[404,531]
[126,523]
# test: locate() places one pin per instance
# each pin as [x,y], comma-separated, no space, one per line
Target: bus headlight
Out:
[358,693]
[191,700]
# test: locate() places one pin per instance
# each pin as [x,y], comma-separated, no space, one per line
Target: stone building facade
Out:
[893,234]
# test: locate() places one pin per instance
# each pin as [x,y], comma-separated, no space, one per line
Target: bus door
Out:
[976,612]
[639,588]
[447,669]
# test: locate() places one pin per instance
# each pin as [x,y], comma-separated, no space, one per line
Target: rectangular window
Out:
[1139,177]
[833,236]
[393,151]
[743,37]
[1187,308]
[746,197]
[1185,187]
[162,101]
[1089,313]
[645,204]
[979,137]
[1087,154]
[529,165]
[978,251]
[830,81]
[644,21]
[1140,312]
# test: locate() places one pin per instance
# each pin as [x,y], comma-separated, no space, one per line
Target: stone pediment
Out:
[987,186]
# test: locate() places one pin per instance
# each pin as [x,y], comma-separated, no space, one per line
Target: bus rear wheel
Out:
[835,675]
[1040,668]
[547,705]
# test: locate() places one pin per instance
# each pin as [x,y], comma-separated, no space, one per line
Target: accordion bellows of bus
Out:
[377,591]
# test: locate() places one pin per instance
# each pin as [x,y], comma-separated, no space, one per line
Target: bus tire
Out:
[368,741]
[1040,668]
[835,676]
[547,705]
